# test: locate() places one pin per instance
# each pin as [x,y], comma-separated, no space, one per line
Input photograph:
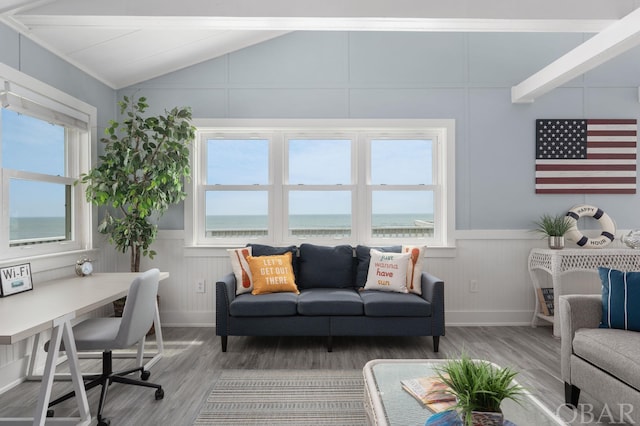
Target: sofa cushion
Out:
[386,304]
[325,267]
[614,351]
[272,274]
[264,305]
[620,299]
[329,301]
[265,250]
[240,267]
[363,257]
[415,267]
[387,271]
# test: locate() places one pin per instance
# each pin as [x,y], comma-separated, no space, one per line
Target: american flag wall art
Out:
[586,156]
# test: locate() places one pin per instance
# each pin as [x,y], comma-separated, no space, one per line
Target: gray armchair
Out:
[603,362]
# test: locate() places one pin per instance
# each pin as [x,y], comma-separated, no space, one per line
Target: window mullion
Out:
[278,197]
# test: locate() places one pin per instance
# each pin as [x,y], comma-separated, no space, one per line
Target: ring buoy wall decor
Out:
[608,227]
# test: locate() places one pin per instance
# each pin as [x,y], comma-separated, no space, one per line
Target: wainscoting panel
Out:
[496,261]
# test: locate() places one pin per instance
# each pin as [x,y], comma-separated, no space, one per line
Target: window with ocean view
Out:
[42,142]
[386,183]
[237,190]
[37,208]
[318,187]
[401,188]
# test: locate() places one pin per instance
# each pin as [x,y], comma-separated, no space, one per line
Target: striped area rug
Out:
[285,397]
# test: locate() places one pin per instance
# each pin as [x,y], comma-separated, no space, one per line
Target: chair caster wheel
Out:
[159,394]
[145,375]
[50,413]
[104,422]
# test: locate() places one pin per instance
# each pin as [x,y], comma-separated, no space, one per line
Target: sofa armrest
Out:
[576,311]
[225,293]
[433,292]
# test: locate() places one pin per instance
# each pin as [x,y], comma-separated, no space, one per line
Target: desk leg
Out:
[76,374]
[61,330]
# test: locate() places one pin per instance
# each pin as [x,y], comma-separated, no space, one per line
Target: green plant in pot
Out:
[554,227]
[479,388]
[140,175]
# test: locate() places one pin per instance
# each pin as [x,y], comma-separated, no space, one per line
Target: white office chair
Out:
[106,334]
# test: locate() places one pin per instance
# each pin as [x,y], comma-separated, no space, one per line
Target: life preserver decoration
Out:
[608,227]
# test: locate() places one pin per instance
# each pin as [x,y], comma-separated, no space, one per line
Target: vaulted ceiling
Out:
[123,42]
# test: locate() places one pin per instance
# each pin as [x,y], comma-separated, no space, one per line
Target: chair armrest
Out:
[225,293]
[433,292]
[576,311]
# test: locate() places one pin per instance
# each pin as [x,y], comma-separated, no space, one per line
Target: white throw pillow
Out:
[414,267]
[240,266]
[387,271]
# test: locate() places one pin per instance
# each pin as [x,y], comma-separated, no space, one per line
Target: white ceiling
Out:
[123,42]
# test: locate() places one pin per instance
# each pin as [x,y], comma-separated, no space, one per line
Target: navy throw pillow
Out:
[265,250]
[620,299]
[325,266]
[364,257]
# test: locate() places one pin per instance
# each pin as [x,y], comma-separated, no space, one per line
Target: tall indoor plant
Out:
[140,174]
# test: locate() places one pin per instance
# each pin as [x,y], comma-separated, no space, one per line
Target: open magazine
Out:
[431,392]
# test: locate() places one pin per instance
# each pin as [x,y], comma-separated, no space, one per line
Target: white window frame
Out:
[30,96]
[199,170]
[441,131]
[287,187]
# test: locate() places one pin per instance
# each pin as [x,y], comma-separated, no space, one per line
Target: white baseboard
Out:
[488,318]
[188,318]
[13,373]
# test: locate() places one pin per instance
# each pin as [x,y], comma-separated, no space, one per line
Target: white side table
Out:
[559,262]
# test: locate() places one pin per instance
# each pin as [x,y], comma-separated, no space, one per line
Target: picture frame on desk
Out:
[15,279]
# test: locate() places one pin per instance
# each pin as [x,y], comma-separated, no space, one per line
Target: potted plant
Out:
[554,228]
[140,174]
[479,388]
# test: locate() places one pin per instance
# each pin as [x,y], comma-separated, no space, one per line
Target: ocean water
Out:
[23,228]
[313,221]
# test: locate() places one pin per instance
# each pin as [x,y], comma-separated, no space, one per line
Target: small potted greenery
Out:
[554,228]
[479,388]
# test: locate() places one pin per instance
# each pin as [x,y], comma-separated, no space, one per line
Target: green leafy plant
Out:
[145,162]
[554,226]
[478,385]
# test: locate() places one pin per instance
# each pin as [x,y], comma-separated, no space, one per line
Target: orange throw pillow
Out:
[272,274]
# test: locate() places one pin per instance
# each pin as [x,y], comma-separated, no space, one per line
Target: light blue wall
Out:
[467,77]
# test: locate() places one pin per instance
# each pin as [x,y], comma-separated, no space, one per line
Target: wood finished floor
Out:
[193,360]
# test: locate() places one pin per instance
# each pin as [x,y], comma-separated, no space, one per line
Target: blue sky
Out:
[318,162]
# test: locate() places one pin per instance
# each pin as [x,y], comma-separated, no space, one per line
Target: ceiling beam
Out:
[316,23]
[435,9]
[609,43]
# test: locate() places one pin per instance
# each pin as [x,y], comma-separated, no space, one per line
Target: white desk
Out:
[559,262]
[52,305]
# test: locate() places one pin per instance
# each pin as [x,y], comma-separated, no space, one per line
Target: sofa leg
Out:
[571,394]
[329,343]
[223,340]
[436,343]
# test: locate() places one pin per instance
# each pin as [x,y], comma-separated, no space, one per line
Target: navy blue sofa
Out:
[330,302]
